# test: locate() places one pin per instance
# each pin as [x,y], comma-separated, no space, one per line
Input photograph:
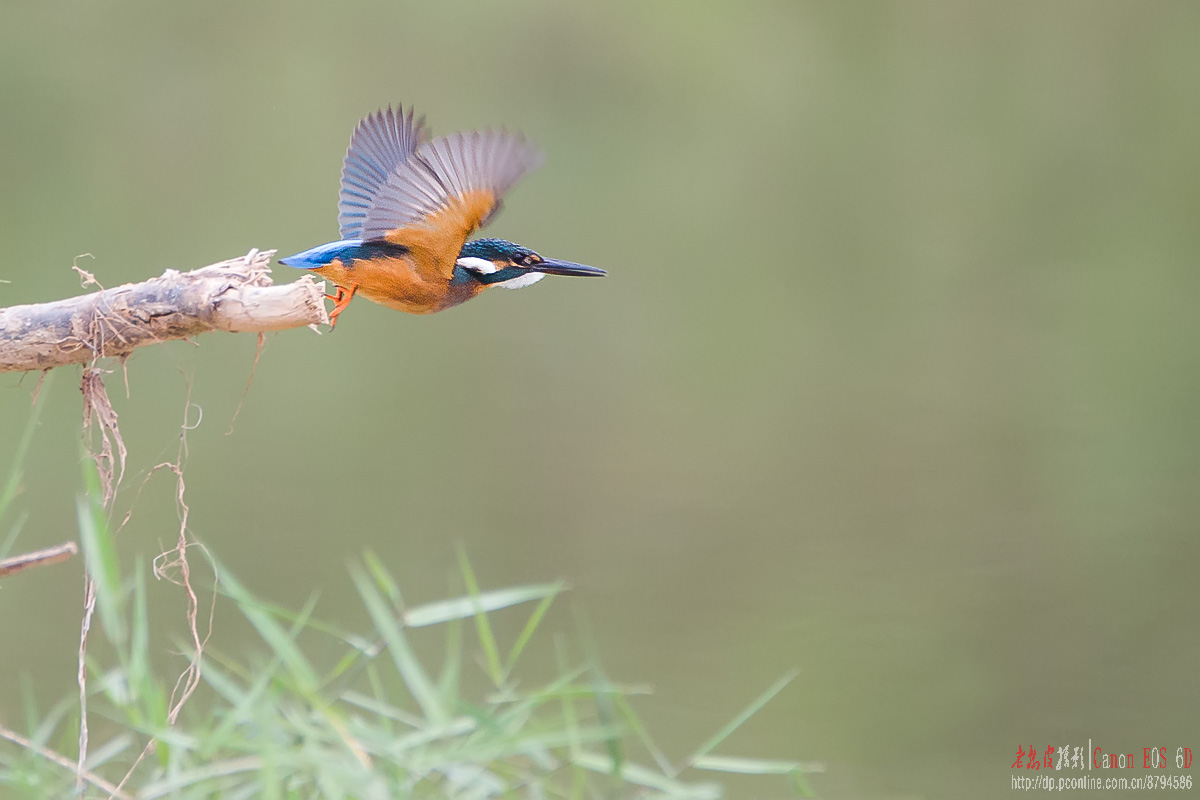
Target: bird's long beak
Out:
[552,266]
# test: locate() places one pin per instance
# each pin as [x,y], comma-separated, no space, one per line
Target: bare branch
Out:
[235,296]
[39,558]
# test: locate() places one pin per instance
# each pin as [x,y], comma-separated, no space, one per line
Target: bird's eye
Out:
[530,260]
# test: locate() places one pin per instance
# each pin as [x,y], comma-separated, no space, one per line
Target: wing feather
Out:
[381,143]
[456,180]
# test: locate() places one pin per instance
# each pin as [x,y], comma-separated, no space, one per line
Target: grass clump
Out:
[379,723]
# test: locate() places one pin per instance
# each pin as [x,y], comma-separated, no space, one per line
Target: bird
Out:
[407,205]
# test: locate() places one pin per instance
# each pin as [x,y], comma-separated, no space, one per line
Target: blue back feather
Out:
[347,250]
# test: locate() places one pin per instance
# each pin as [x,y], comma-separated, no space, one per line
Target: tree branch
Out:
[39,558]
[235,296]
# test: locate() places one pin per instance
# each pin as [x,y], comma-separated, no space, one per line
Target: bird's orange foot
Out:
[340,301]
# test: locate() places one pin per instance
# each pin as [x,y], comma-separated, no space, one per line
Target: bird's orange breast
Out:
[395,283]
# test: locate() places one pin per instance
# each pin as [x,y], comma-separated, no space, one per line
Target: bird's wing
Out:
[450,187]
[380,144]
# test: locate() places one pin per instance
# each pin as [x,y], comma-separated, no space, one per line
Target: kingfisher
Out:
[407,204]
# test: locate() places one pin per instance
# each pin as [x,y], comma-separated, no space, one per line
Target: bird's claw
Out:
[340,301]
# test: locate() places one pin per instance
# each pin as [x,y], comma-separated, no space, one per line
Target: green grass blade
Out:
[650,778]
[800,784]
[606,709]
[487,637]
[745,714]
[468,606]
[634,723]
[29,702]
[281,642]
[383,709]
[754,766]
[40,735]
[196,778]
[100,557]
[224,684]
[383,578]
[312,623]
[451,677]
[245,703]
[571,723]
[419,684]
[99,756]
[343,666]
[13,485]
[148,695]
[527,632]
[137,664]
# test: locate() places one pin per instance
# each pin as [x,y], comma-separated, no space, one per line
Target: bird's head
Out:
[499,262]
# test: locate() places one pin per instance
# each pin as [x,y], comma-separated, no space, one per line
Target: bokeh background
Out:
[894,379]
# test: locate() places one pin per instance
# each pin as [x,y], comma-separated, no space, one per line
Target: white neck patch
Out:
[480,265]
[521,281]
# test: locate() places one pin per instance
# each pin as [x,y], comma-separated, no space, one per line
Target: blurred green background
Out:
[894,378]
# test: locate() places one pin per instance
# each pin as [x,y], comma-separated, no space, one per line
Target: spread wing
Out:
[433,201]
[381,143]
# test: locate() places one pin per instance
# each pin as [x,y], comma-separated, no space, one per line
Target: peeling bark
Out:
[235,296]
